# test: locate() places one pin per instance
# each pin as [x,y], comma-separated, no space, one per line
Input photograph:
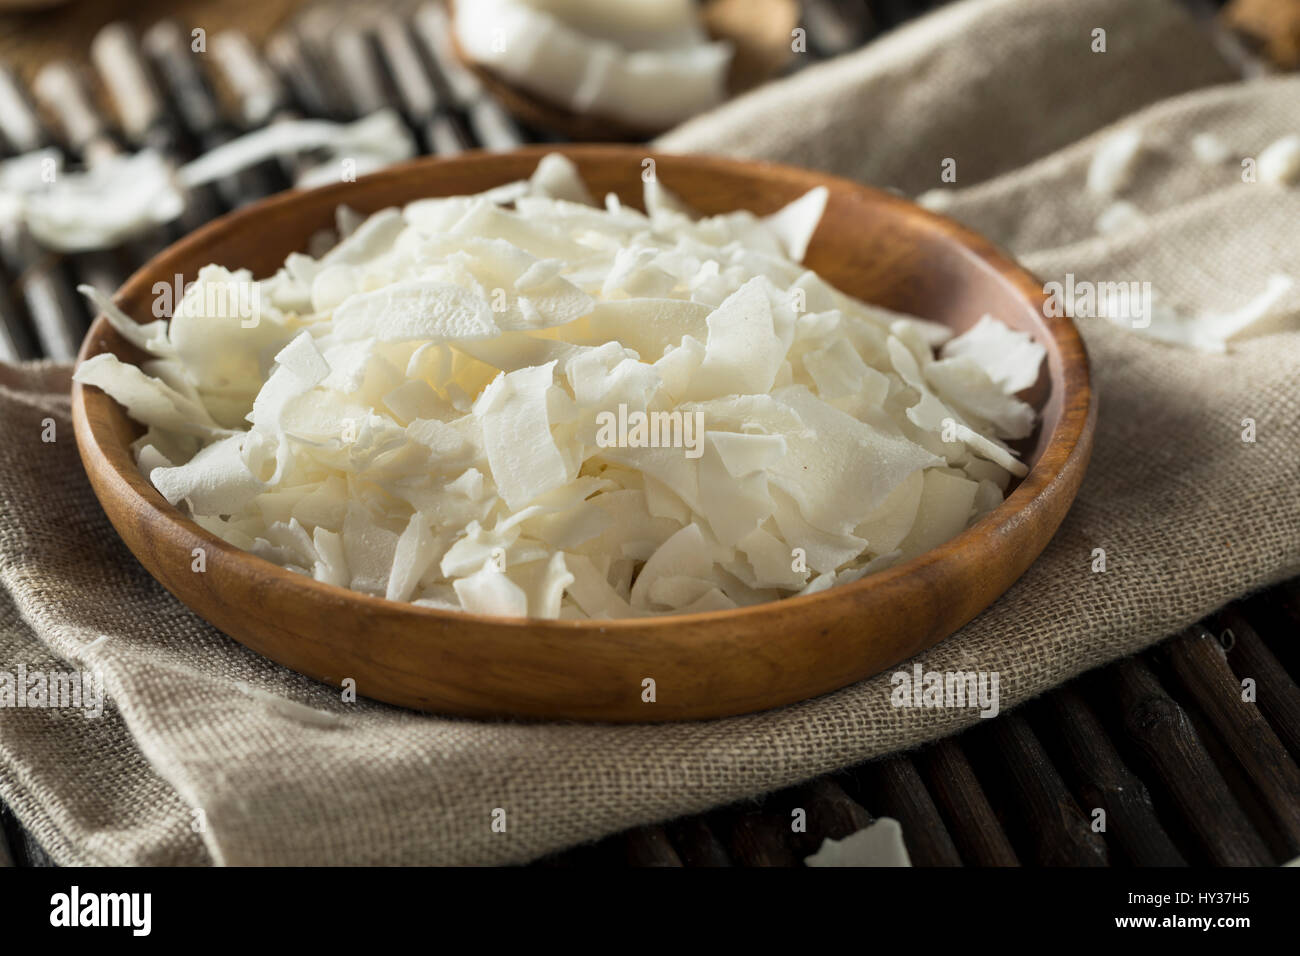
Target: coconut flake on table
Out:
[645,62]
[431,411]
[879,844]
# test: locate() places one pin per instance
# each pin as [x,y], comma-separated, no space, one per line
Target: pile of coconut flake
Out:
[443,409]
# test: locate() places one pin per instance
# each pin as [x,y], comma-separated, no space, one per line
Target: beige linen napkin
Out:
[1189,515]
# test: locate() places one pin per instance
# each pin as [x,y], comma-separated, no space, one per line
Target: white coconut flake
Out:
[886,527]
[1272,310]
[149,336]
[839,372]
[745,347]
[1279,162]
[1259,314]
[290,708]
[936,200]
[991,450]
[1118,217]
[544,583]
[523,404]
[415,310]
[965,385]
[747,453]
[490,591]
[795,224]
[557,177]
[303,359]
[1112,166]
[521,450]
[684,554]
[1010,357]
[215,481]
[416,552]
[1209,149]
[880,844]
[571,56]
[147,400]
[946,506]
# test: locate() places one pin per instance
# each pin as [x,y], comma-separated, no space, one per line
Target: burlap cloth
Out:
[1189,514]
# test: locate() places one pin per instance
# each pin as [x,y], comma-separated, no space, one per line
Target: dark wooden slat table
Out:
[974,827]
[1102,780]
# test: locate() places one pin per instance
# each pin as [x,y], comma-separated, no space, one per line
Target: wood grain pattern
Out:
[54,30]
[897,791]
[1059,830]
[831,814]
[696,843]
[650,846]
[1279,696]
[1202,667]
[1102,780]
[762,837]
[1179,761]
[758,30]
[874,245]
[957,793]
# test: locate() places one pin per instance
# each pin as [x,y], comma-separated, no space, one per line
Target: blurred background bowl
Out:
[758,30]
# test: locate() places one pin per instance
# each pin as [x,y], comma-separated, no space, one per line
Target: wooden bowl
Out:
[758,30]
[874,245]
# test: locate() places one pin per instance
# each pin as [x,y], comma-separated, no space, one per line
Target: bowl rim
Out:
[1068,445]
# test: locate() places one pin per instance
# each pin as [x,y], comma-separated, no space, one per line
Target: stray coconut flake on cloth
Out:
[1275,307]
[1279,162]
[521,403]
[1114,162]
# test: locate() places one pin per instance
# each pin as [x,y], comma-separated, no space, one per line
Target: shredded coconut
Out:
[879,844]
[1119,216]
[1279,163]
[1209,149]
[1113,163]
[289,708]
[523,404]
[645,63]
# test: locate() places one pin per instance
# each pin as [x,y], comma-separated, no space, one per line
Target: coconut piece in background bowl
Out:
[628,71]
